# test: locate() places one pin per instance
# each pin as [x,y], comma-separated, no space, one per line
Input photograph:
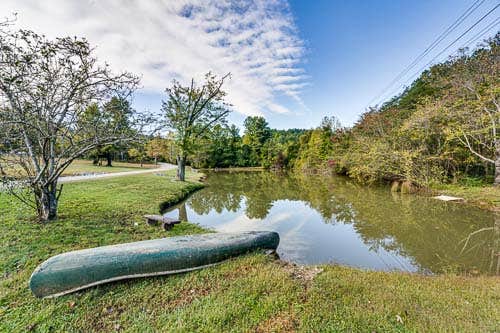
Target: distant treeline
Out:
[222,146]
[442,128]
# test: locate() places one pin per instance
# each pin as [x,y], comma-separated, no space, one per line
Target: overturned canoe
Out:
[76,270]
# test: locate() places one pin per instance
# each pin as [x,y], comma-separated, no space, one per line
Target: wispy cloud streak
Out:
[257,41]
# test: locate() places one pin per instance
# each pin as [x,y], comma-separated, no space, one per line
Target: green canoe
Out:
[76,270]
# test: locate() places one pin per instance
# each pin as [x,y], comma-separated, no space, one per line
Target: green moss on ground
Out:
[250,293]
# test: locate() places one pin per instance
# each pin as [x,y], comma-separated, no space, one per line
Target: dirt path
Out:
[162,167]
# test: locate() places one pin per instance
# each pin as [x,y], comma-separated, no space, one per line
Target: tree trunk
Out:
[156,160]
[495,257]
[183,213]
[108,158]
[497,163]
[47,202]
[181,168]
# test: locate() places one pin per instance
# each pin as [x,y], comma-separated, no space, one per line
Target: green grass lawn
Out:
[79,167]
[250,293]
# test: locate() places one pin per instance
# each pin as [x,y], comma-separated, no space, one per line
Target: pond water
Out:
[334,220]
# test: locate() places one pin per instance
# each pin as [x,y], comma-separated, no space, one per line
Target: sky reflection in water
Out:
[333,220]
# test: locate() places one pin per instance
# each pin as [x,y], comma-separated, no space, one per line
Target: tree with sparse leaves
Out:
[193,110]
[474,102]
[46,89]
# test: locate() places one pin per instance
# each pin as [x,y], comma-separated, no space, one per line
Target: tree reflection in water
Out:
[419,233]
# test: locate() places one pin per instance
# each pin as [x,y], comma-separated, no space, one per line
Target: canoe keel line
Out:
[125,277]
[72,271]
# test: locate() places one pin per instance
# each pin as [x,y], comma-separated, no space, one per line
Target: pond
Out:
[335,220]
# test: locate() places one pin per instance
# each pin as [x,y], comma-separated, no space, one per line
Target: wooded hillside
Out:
[442,128]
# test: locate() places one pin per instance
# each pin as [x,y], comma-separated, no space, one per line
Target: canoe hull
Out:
[76,270]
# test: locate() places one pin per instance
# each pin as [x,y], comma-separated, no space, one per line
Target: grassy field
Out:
[85,166]
[250,293]
[79,167]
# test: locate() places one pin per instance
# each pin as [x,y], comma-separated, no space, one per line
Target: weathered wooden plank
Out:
[169,225]
[166,222]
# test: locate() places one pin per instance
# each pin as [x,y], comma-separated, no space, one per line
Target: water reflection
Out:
[335,220]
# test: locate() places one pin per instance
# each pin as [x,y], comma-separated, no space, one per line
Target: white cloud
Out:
[277,108]
[257,41]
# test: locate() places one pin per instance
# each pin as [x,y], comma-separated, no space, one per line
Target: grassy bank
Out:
[250,293]
[236,169]
[483,196]
[475,191]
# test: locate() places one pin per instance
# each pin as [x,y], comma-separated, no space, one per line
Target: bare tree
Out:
[46,90]
[191,111]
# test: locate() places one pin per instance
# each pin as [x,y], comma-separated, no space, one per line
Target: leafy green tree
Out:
[156,147]
[114,115]
[316,146]
[138,154]
[257,132]
[219,148]
[280,151]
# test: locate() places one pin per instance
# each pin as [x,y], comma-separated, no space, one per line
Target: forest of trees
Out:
[222,146]
[443,128]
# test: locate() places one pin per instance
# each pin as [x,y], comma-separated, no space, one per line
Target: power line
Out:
[442,36]
[447,47]
[482,32]
[459,37]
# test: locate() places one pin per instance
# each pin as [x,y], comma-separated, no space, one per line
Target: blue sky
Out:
[292,61]
[357,47]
